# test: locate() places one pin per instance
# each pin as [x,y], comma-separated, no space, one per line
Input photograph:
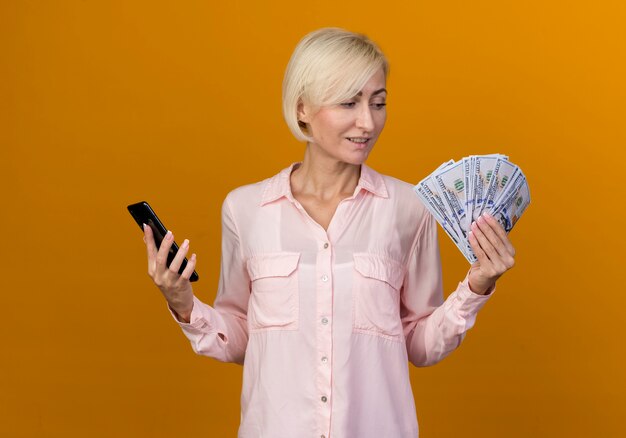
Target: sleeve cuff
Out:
[468,302]
[199,320]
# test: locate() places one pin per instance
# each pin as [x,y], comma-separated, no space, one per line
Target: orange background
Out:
[106,103]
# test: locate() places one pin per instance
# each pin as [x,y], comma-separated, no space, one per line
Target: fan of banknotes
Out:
[457,193]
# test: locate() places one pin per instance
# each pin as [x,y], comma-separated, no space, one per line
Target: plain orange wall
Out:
[106,103]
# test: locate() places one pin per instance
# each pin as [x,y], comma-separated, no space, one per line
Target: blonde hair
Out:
[328,66]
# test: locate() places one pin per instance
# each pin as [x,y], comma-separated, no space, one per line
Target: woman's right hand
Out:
[175,288]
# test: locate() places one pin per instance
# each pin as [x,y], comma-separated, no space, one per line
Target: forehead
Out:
[375,85]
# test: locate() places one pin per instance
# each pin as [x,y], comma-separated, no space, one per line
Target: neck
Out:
[324,177]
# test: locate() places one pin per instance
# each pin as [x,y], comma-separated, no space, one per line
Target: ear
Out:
[303,112]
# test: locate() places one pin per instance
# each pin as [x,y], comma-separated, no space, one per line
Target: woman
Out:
[331,277]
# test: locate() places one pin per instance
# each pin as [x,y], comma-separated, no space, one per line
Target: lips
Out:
[358,141]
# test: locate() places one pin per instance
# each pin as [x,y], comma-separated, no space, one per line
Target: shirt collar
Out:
[280,184]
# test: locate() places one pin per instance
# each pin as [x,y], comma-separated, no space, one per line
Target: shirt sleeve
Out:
[433,328]
[221,331]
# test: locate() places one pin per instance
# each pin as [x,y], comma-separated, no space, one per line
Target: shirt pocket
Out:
[274,291]
[376,295]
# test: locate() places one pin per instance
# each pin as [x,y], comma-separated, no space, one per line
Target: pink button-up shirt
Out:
[325,322]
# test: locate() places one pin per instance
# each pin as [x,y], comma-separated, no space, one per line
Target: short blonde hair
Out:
[328,66]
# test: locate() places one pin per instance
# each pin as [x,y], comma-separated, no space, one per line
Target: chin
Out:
[356,160]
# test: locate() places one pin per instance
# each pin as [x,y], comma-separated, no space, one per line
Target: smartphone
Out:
[144,214]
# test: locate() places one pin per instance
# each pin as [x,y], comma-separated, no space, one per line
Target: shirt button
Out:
[324,277]
[324,320]
[324,399]
[324,359]
[325,245]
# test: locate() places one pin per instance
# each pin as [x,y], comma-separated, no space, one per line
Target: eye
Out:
[379,106]
[348,104]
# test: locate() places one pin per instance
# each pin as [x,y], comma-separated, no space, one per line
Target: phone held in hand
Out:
[144,214]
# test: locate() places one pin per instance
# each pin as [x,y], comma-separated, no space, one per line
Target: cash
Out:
[458,192]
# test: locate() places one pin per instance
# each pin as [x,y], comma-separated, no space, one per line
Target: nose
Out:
[365,120]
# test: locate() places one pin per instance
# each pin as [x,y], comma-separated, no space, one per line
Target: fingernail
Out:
[144,227]
[185,243]
[168,235]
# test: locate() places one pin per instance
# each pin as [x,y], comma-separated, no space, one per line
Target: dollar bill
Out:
[469,190]
[517,180]
[484,168]
[427,189]
[509,213]
[503,173]
[451,185]
[457,193]
[444,221]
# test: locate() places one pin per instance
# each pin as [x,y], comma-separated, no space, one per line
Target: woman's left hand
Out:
[494,251]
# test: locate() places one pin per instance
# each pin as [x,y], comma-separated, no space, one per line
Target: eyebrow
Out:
[382,90]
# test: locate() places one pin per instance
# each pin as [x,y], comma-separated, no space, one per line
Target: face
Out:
[347,131]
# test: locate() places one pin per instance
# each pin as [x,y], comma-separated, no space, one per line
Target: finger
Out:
[191,265]
[180,255]
[501,232]
[497,264]
[478,251]
[491,235]
[164,249]
[484,243]
[148,238]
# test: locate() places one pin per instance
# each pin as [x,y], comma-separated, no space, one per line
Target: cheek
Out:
[380,122]
[329,125]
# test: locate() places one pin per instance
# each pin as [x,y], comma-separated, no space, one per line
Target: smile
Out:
[358,140]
